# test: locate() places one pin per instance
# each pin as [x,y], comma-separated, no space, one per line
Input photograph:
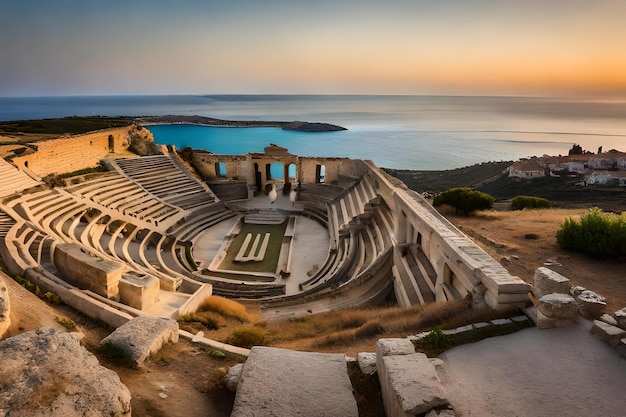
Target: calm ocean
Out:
[404,132]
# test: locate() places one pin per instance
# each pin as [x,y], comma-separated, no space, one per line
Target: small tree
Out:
[464,200]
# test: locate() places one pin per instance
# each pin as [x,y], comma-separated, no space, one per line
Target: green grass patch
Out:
[269,262]
[436,342]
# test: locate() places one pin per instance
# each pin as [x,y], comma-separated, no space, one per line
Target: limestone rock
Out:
[608,319]
[558,306]
[605,332]
[620,316]
[591,305]
[410,385]
[51,374]
[367,362]
[279,382]
[547,281]
[232,377]
[143,336]
[389,347]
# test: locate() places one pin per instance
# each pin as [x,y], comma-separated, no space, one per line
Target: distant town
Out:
[601,168]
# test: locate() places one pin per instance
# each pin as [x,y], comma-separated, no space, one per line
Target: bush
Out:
[529,202]
[597,233]
[247,336]
[464,200]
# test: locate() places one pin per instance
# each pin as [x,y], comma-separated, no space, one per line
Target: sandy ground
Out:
[562,372]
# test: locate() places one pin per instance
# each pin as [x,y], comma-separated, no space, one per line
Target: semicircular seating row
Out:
[148,212]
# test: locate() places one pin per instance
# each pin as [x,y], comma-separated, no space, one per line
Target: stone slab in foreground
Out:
[284,383]
[143,336]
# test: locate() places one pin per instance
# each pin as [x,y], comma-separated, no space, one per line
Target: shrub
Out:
[597,233]
[247,336]
[529,202]
[464,200]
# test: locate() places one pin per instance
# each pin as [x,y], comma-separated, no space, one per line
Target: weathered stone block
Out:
[591,305]
[544,322]
[620,316]
[558,306]
[143,336]
[410,385]
[608,319]
[139,292]
[367,362]
[547,281]
[284,383]
[607,333]
[389,347]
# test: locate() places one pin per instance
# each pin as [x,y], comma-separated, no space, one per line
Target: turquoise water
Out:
[404,132]
[387,148]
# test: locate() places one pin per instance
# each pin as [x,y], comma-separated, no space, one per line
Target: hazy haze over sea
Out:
[404,132]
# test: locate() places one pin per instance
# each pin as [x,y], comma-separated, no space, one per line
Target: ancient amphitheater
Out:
[147,236]
[142,240]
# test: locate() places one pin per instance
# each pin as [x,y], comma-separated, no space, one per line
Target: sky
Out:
[445,47]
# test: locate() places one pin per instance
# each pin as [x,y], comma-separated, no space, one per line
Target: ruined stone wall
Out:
[61,155]
[307,167]
[456,260]
[237,166]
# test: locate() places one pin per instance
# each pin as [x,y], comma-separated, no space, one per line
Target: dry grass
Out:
[227,308]
[342,329]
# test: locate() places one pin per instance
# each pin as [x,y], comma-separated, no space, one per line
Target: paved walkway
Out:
[563,372]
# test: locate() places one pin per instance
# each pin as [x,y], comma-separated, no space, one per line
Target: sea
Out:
[400,132]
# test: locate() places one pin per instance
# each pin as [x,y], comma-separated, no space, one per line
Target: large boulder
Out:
[547,281]
[46,372]
[142,336]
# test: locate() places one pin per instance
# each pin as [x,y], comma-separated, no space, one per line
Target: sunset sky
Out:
[451,47]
